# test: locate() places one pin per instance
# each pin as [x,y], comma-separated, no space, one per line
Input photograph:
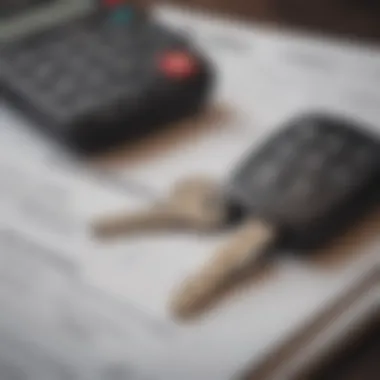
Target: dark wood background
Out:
[356,18]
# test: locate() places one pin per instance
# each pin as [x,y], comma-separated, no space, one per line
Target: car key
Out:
[194,204]
[309,181]
[298,190]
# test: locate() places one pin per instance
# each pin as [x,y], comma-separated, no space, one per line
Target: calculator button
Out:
[121,16]
[178,65]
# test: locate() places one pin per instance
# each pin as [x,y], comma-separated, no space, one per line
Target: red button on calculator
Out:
[179,65]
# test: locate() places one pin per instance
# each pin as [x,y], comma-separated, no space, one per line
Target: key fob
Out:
[299,189]
[311,179]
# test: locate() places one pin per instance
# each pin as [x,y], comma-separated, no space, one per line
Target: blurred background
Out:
[356,18]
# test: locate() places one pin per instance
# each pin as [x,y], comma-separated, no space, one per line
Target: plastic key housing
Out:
[311,180]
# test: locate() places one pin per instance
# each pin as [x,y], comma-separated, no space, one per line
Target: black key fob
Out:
[311,179]
[299,189]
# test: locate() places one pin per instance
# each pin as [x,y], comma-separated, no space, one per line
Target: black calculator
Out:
[96,73]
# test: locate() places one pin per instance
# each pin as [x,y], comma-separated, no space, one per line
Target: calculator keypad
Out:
[81,69]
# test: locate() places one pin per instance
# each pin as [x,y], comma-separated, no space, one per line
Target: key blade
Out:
[156,219]
[247,249]
[194,204]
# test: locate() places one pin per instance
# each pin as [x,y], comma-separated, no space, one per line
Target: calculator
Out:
[95,74]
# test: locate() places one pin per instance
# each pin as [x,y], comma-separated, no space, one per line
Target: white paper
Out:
[90,307]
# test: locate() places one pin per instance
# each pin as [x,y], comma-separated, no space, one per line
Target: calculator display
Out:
[24,17]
